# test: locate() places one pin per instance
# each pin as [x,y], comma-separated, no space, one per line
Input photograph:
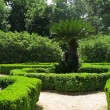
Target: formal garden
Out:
[54,51]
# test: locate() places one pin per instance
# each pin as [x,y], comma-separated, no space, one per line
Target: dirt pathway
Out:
[54,101]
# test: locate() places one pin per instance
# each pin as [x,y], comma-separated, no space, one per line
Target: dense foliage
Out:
[69,32]
[37,15]
[74,83]
[21,95]
[107,91]
[5,68]
[92,77]
[23,47]
[95,49]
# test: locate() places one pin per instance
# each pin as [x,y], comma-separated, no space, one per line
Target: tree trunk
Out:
[73,45]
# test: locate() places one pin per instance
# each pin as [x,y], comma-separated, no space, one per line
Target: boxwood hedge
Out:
[19,93]
[95,67]
[75,83]
[107,91]
[5,68]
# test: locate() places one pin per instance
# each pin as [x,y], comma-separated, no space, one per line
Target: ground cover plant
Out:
[19,93]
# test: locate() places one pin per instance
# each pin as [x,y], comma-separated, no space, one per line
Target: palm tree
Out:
[70,31]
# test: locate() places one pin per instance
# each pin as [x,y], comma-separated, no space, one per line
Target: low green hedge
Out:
[21,93]
[6,68]
[76,82]
[95,67]
[44,67]
[87,80]
[83,82]
[107,91]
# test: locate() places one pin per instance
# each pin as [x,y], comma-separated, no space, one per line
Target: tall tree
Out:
[39,20]
[98,11]
[68,9]
[23,12]
[4,13]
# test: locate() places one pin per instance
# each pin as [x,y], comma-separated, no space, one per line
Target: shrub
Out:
[23,47]
[5,68]
[85,68]
[95,49]
[74,83]
[21,95]
[36,70]
[94,68]
[107,91]
[22,72]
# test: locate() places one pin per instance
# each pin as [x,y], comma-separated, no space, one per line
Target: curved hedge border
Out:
[76,82]
[22,94]
[6,68]
[107,91]
[43,67]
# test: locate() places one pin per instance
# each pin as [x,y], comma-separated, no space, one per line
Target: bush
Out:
[22,94]
[107,91]
[5,68]
[74,83]
[23,47]
[95,68]
[85,68]
[95,49]
[22,72]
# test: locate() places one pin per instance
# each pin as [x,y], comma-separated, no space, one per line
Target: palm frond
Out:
[71,29]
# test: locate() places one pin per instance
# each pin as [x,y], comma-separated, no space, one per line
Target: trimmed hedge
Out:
[21,93]
[6,68]
[95,67]
[76,82]
[107,91]
[72,82]
[46,67]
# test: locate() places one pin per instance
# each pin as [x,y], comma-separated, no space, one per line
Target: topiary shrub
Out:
[21,93]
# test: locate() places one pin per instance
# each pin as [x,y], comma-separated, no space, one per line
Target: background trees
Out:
[4,13]
[37,16]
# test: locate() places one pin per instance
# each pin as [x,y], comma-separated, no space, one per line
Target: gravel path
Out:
[54,101]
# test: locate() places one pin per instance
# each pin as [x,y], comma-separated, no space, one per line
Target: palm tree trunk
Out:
[73,45]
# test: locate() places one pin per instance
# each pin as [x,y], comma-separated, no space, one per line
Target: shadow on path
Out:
[38,107]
